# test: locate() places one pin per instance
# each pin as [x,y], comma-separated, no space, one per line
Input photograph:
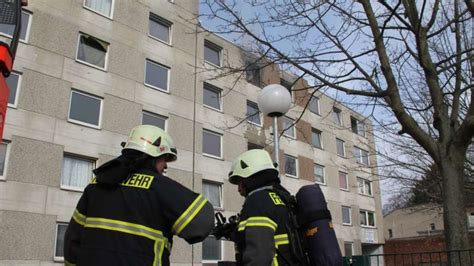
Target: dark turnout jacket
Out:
[262,235]
[133,222]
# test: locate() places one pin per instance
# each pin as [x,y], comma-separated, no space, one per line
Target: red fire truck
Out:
[10,17]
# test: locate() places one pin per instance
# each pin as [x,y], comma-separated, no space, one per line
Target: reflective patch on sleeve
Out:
[257,221]
[79,217]
[188,215]
[93,180]
[138,181]
[275,198]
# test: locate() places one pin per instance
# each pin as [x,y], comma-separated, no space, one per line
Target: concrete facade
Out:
[39,132]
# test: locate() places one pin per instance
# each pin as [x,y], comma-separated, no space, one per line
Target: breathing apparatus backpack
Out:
[310,230]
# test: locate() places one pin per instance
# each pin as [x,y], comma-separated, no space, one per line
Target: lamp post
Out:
[274,101]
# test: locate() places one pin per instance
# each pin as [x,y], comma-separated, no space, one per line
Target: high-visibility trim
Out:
[67,263]
[188,215]
[257,221]
[79,217]
[281,240]
[161,242]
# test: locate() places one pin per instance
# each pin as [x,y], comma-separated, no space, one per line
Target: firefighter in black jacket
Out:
[129,212]
[262,233]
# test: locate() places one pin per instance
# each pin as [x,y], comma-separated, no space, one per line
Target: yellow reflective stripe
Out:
[188,215]
[79,217]
[275,260]
[67,263]
[135,229]
[281,240]
[257,221]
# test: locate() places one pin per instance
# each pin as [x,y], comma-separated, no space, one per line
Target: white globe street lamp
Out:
[274,101]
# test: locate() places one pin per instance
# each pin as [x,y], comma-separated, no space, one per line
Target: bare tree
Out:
[412,59]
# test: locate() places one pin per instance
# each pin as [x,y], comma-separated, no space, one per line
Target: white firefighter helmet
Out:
[250,163]
[153,141]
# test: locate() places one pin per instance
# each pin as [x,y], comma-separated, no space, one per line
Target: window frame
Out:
[28,28]
[352,248]
[320,138]
[221,253]
[164,22]
[221,193]
[168,76]
[350,215]
[3,176]
[366,214]
[336,112]
[356,128]
[216,48]
[259,114]
[210,87]
[17,91]
[296,166]
[165,118]
[347,180]
[106,59]
[292,128]
[58,258]
[74,121]
[364,181]
[220,144]
[343,155]
[359,156]
[317,100]
[324,173]
[112,5]
[80,157]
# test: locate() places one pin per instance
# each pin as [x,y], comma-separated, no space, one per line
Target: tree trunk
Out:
[454,214]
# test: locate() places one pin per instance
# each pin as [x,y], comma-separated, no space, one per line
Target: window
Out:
[319,174]
[289,127]
[364,186]
[212,53]
[336,116]
[291,166]
[157,75]
[346,215]
[367,218]
[357,126]
[7,29]
[213,192]
[470,220]
[432,226]
[347,249]
[59,245]
[76,172]
[316,138]
[159,28]
[154,120]
[343,184]
[4,148]
[212,97]
[390,233]
[211,249]
[92,51]
[13,82]
[253,114]
[252,146]
[103,7]
[211,144]
[314,105]
[252,73]
[362,156]
[288,86]
[341,151]
[85,109]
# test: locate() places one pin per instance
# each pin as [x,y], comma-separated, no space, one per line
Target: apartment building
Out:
[88,71]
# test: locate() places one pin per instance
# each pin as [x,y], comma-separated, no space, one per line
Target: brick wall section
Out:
[417,245]
[305,168]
